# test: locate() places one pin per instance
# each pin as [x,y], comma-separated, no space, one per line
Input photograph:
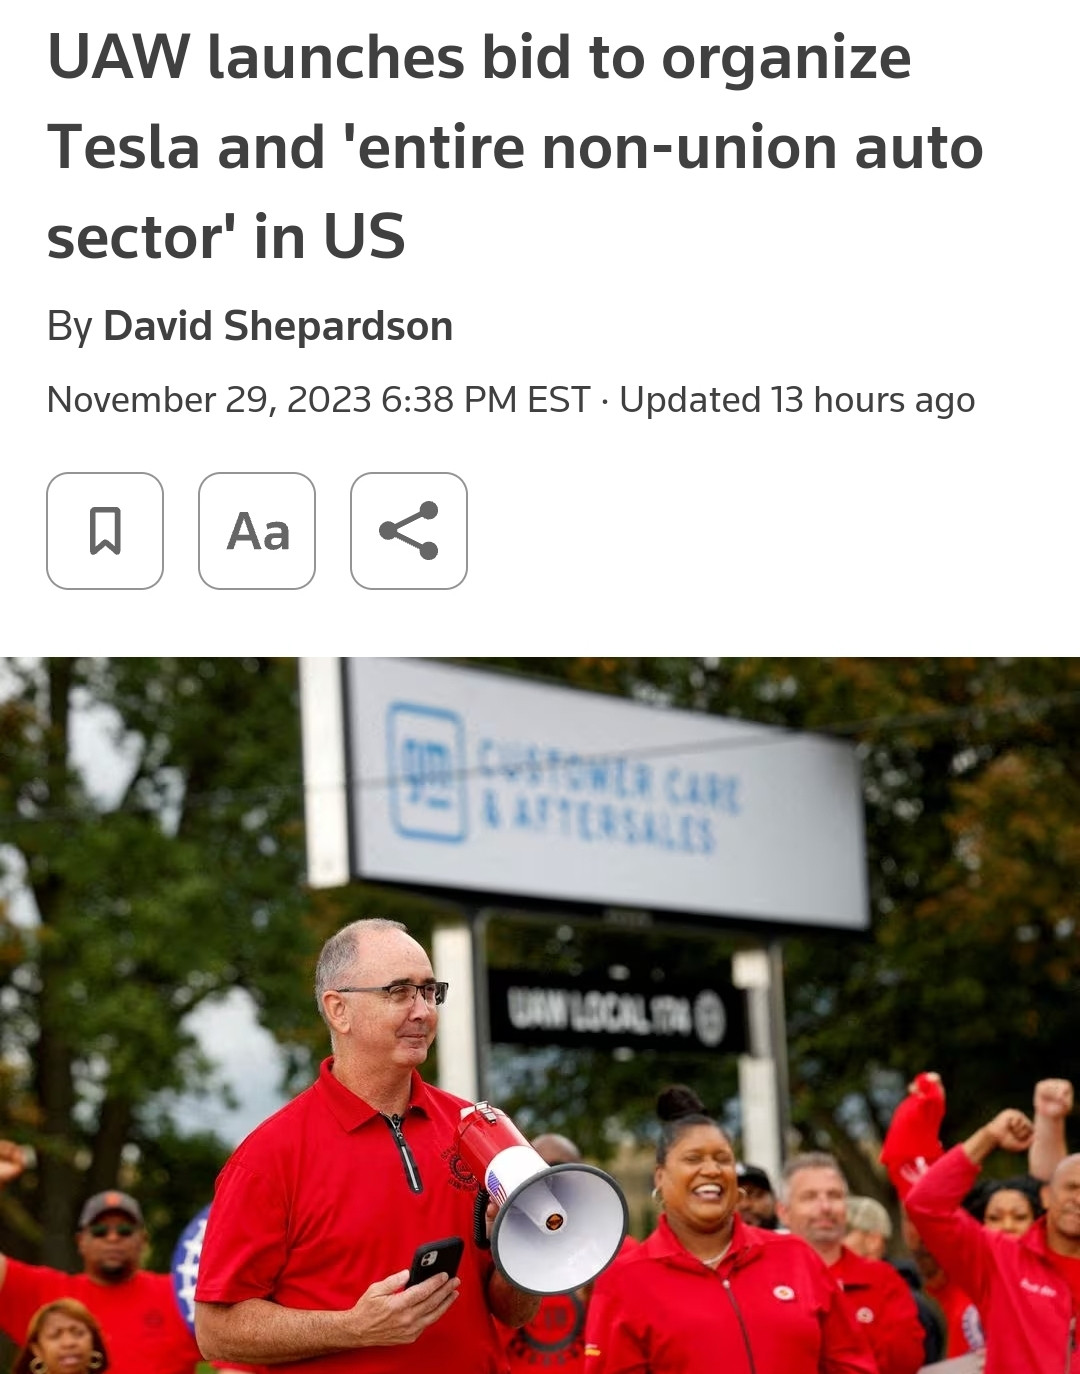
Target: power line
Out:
[764,735]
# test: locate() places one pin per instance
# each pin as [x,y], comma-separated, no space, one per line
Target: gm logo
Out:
[426,757]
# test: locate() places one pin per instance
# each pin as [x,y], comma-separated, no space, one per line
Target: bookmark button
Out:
[104,531]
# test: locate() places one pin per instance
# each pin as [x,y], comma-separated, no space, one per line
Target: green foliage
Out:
[153,808]
[971,776]
[971,771]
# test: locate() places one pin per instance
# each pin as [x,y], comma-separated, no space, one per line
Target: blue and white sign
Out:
[184,1268]
[470,780]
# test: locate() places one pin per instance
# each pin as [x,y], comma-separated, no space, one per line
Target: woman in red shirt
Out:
[706,1291]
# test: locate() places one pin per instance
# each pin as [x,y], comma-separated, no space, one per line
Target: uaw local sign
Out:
[474,781]
[530,1008]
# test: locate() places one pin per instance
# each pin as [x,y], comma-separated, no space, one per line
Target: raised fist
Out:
[1053,1097]
[1011,1130]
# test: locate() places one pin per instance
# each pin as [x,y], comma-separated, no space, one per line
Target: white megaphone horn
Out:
[558,1225]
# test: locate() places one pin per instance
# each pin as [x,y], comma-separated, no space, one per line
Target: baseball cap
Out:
[755,1177]
[111,1201]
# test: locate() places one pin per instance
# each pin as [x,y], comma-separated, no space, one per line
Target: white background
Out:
[732,533]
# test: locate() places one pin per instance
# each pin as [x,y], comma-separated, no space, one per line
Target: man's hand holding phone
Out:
[399,1308]
[436,1257]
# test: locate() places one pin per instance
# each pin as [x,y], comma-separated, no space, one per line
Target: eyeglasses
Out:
[404,994]
[100,1229]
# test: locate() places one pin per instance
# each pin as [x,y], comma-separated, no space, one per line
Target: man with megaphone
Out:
[318,1215]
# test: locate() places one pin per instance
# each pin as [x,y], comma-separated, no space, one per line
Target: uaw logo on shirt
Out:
[425,755]
[554,1338]
[461,1176]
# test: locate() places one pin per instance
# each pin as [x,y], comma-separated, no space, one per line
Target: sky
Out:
[248,1061]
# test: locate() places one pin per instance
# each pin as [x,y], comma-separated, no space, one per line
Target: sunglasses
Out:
[100,1229]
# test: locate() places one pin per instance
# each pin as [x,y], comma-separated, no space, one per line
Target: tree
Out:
[971,779]
[153,810]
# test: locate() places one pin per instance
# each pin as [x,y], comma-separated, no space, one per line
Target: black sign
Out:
[530,1008]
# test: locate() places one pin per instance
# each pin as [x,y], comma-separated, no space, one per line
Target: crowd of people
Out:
[316,1215]
[137,1309]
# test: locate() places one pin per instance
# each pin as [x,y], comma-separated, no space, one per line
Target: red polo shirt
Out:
[317,1204]
[879,1300]
[139,1318]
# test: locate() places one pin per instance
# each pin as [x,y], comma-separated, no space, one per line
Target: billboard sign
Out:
[470,780]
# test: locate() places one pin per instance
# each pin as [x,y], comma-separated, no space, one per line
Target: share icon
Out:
[379,560]
[391,529]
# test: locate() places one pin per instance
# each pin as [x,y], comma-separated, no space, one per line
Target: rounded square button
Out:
[104,531]
[410,530]
[256,531]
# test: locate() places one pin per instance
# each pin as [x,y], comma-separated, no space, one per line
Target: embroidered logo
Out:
[461,1176]
[864,1314]
[555,1336]
[784,1293]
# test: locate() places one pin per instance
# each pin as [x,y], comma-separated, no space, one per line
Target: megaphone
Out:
[558,1225]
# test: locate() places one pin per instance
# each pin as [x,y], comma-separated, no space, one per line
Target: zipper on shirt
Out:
[412,1173]
[1071,1346]
[742,1324]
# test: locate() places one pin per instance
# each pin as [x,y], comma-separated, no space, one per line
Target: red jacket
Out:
[877,1297]
[769,1307]
[911,1146]
[1027,1310]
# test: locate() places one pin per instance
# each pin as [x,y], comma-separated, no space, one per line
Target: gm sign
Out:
[425,748]
[466,781]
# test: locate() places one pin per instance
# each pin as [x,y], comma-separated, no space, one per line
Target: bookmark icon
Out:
[104,529]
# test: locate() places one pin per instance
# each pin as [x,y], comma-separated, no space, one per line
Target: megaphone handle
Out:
[480,1235]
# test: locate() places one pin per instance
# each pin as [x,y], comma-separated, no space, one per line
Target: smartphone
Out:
[436,1257]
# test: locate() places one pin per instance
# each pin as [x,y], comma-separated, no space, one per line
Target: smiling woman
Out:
[63,1338]
[705,1283]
